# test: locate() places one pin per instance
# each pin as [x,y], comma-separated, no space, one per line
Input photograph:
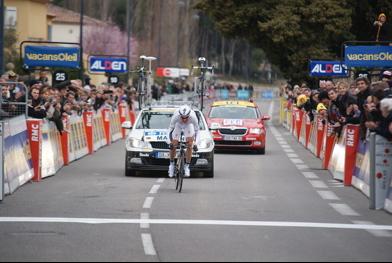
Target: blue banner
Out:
[368,56]
[53,57]
[108,65]
[327,69]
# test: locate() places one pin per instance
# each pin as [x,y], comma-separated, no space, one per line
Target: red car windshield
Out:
[239,113]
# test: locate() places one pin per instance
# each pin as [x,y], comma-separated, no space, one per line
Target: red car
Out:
[237,125]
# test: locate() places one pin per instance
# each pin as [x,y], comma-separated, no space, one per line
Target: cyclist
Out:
[185,119]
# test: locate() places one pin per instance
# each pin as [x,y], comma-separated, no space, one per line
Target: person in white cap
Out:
[386,76]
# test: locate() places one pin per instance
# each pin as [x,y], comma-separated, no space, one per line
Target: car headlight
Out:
[256,131]
[214,126]
[139,145]
[205,144]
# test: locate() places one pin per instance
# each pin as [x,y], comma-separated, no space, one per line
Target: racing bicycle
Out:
[141,83]
[201,88]
[180,166]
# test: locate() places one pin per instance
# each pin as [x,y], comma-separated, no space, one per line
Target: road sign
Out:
[60,76]
[114,80]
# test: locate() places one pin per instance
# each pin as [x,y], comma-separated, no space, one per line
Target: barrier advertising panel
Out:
[361,179]
[18,166]
[352,141]
[383,170]
[1,164]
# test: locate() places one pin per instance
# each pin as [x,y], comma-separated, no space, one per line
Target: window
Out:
[10,18]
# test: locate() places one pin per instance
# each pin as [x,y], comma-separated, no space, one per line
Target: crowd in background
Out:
[363,102]
[45,101]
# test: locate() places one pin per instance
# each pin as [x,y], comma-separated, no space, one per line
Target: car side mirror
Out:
[127,125]
[266,118]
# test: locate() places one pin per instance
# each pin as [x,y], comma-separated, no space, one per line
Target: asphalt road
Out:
[277,207]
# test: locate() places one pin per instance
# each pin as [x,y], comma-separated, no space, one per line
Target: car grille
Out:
[160,145]
[233,132]
[230,143]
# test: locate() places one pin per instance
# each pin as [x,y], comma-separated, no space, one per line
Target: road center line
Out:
[155,189]
[161,180]
[144,217]
[148,245]
[148,202]
[97,221]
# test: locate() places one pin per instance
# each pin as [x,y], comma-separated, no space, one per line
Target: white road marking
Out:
[328,195]
[310,175]
[289,150]
[318,184]
[297,161]
[302,167]
[148,203]
[161,180]
[148,245]
[286,147]
[344,209]
[377,233]
[155,189]
[97,221]
[144,217]
[292,155]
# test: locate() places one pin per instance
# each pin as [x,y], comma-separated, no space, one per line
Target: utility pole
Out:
[81,40]
[1,37]
[129,26]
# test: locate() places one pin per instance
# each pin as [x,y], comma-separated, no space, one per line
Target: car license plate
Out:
[163,155]
[232,138]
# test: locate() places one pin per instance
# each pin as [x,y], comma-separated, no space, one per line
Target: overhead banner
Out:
[108,65]
[327,69]
[173,72]
[52,57]
[368,56]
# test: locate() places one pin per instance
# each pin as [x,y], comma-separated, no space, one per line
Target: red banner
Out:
[123,108]
[294,120]
[65,140]
[34,129]
[329,145]
[88,118]
[308,131]
[352,142]
[299,119]
[106,123]
[320,136]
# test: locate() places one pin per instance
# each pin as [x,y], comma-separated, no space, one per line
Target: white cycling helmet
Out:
[185,111]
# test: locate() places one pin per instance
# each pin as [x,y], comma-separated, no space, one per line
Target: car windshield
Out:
[240,113]
[154,120]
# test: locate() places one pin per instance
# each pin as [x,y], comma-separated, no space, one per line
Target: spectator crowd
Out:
[54,102]
[362,102]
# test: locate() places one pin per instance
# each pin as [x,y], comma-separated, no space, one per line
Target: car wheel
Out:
[211,173]
[262,151]
[130,173]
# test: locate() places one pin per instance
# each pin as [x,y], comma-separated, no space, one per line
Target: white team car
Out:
[147,145]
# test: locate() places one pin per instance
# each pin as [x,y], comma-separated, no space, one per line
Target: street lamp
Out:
[81,39]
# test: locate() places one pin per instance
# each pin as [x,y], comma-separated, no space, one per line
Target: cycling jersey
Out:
[190,128]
